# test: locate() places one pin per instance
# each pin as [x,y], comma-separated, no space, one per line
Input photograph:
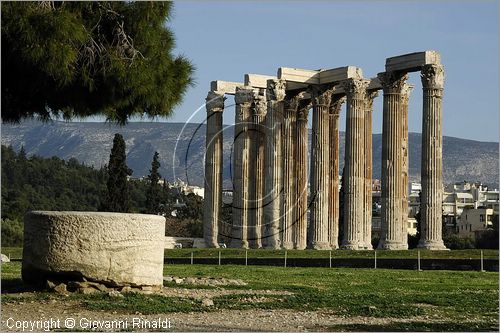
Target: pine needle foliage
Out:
[81,59]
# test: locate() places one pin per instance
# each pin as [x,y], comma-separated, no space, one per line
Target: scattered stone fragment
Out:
[115,293]
[61,289]
[126,289]
[87,291]
[207,302]
[50,285]
[5,258]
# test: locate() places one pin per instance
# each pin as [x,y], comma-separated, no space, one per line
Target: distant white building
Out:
[474,220]
[186,189]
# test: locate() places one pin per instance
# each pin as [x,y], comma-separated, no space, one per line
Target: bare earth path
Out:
[224,320]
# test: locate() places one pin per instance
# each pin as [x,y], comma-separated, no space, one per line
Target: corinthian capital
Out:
[215,101]
[392,82]
[260,105]
[355,87]
[370,96]
[405,93]
[432,76]
[321,97]
[244,95]
[336,105]
[293,102]
[276,90]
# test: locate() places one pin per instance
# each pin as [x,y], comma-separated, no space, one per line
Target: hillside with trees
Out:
[37,183]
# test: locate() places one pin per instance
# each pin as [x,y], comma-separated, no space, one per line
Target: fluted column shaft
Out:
[301,174]
[273,183]
[367,219]
[213,168]
[258,156]
[354,164]
[405,98]
[289,180]
[392,160]
[241,167]
[333,199]
[320,176]
[432,158]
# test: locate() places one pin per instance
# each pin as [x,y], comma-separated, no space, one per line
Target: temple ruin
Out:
[272,194]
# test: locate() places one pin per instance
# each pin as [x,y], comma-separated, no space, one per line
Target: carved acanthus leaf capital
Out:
[405,93]
[244,95]
[303,111]
[215,101]
[355,87]
[321,97]
[276,90]
[260,105]
[432,76]
[370,96]
[336,105]
[293,102]
[392,82]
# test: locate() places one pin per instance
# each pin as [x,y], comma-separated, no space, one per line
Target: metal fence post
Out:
[418,255]
[285,257]
[192,258]
[330,259]
[482,264]
[375,264]
[219,258]
[246,257]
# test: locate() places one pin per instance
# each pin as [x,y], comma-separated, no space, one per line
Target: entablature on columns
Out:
[297,78]
[412,62]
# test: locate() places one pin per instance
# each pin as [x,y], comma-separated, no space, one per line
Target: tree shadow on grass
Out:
[13,286]
[417,326]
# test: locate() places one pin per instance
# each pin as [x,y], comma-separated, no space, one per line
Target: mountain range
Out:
[182,147]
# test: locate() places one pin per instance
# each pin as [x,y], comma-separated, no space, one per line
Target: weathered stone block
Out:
[257,81]
[111,248]
[412,62]
[225,87]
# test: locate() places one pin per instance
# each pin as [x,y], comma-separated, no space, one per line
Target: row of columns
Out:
[270,165]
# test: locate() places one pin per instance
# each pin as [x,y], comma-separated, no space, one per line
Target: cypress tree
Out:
[153,194]
[117,196]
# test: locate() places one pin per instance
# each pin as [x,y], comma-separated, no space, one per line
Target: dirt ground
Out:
[70,315]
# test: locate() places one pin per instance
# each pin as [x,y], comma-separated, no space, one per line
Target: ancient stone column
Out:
[241,167]
[367,220]
[320,160]
[392,160]
[213,168]
[354,164]
[301,174]
[288,201]
[432,158]
[258,156]
[405,97]
[333,199]
[273,183]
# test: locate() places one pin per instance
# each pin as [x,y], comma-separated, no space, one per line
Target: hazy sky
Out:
[226,39]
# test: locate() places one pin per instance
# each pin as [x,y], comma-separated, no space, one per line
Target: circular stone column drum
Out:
[112,248]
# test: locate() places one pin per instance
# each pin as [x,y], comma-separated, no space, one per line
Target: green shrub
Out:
[455,242]
[12,232]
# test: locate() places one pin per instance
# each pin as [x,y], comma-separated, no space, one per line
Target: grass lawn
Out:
[263,253]
[16,253]
[427,300]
